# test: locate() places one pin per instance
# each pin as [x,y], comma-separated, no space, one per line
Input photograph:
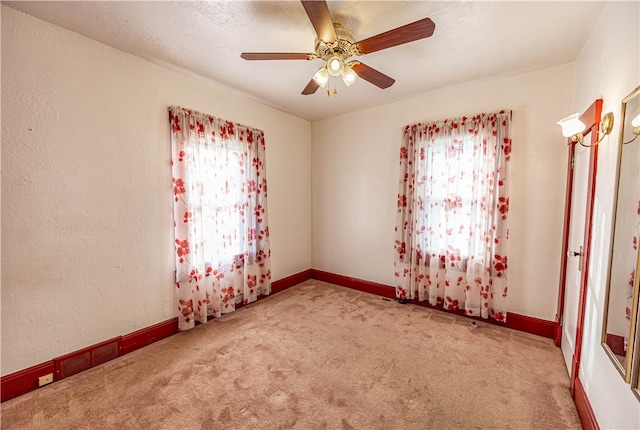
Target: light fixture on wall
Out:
[635,123]
[572,127]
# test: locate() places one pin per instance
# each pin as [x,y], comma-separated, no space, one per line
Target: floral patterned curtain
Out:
[223,255]
[453,204]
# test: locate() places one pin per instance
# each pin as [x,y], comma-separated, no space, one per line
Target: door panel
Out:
[575,242]
[572,295]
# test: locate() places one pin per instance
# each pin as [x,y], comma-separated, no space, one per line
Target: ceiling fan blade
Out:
[311,88]
[370,74]
[398,36]
[276,56]
[319,15]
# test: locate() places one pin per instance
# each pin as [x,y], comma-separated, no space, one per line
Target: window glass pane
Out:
[222,197]
[448,170]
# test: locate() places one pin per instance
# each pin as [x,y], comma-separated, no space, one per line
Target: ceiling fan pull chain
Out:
[331,81]
[333,93]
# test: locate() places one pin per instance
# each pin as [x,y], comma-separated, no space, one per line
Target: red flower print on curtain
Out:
[627,229]
[453,205]
[222,247]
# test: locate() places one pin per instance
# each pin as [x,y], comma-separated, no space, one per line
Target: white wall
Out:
[609,68]
[355,176]
[87,242]
[87,234]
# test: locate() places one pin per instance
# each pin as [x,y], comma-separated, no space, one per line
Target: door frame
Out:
[591,118]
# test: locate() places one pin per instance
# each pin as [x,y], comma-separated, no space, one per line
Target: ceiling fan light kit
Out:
[349,76]
[322,76]
[335,65]
[335,44]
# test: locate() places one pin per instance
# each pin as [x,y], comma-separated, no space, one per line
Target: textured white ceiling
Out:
[472,41]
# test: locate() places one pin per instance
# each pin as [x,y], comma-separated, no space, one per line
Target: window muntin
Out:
[447,167]
[221,203]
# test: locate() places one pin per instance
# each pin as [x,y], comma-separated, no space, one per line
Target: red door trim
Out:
[591,117]
[557,336]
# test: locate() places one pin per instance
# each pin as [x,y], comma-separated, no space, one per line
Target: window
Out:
[223,256]
[451,225]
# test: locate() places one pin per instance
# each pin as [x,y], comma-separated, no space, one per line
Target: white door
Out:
[576,239]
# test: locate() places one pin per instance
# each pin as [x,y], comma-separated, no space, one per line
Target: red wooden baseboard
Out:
[276,287]
[356,284]
[531,325]
[587,417]
[557,334]
[23,381]
[515,321]
[616,344]
[19,383]
[148,335]
[290,281]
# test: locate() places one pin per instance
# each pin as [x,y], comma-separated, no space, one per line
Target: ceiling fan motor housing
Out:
[343,47]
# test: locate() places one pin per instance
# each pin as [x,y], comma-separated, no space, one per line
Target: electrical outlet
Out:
[45,380]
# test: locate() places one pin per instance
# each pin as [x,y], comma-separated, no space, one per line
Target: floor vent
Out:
[86,358]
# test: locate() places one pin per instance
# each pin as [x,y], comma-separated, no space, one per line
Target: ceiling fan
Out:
[336,44]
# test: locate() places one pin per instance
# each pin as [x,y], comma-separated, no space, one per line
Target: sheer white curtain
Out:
[223,255]
[453,205]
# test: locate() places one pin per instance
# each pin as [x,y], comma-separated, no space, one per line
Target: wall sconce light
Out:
[572,127]
[635,123]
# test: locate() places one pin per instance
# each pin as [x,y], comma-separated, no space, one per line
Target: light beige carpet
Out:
[317,356]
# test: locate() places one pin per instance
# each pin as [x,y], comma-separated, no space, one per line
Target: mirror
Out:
[635,369]
[621,307]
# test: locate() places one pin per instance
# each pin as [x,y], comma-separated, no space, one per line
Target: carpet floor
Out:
[317,356]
